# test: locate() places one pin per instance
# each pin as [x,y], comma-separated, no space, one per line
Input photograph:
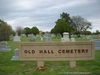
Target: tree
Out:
[86,33]
[69,26]
[5,31]
[63,25]
[60,27]
[27,31]
[80,24]
[35,30]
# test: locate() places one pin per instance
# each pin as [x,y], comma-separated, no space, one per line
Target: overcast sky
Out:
[44,13]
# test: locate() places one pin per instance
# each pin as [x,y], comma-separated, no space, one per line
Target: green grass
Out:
[8,67]
[56,39]
[25,39]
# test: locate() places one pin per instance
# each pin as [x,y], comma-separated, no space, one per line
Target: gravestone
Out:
[30,35]
[97,44]
[47,37]
[23,35]
[16,54]
[33,38]
[53,35]
[4,47]
[38,36]
[66,38]
[16,38]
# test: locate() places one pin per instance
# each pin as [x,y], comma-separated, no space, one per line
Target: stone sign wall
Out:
[56,51]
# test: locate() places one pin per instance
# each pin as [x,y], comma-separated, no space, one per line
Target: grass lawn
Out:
[8,67]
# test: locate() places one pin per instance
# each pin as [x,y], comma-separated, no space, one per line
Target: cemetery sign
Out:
[56,51]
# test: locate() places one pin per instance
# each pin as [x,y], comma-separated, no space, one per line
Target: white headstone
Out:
[4,46]
[33,38]
[16,54]
[47,37]
[30,35]
[23,35]
[66,38]
[16,38]
[53,35]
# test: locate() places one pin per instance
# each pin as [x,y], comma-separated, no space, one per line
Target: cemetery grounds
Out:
[9,67]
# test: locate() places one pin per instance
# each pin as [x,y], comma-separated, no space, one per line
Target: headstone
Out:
[53,35]
[66,38]
[47,37]
[33,38]
[4,47]
[16,54]
[23,35]
[38,36]
[30,35]
[16,38]
[97,44]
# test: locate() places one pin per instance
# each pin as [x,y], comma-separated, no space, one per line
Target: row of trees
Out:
[6,30]
[27,30]
[33,30]
[73,25]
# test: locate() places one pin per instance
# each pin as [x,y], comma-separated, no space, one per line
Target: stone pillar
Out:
[40,63]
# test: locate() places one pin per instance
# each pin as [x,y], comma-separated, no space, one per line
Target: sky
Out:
[44,13]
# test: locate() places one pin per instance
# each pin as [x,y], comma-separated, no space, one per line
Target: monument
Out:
[47,37]
[30,35]
[4,46]
[66,38]
[53,35]
[33,38]
[16,38]
[23,35]
[16,54]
